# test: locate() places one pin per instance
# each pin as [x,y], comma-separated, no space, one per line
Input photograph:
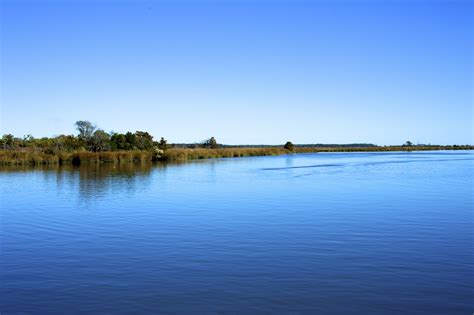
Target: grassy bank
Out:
[18,157]
[180,155]
[14,157]
[389,148]
[73,158]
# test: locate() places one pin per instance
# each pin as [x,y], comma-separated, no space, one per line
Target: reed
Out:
[11,157]
[179,155]
[32,157]
[25,158]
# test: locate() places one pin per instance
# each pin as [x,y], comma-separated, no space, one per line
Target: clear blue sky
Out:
[246,72]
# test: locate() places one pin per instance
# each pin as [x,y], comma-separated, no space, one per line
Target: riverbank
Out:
[25,157]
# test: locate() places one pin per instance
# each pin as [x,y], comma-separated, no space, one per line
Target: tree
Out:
[8,141]
[289,146]
[100,141]
[163,144]
[28,140]
[85,128]
[130,139]
[210,143]
[144,141]
[408,144]
[118,141]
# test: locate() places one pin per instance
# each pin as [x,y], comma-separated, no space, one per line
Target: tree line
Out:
[91,138]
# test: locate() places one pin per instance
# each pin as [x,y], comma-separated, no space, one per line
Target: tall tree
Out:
[85,128]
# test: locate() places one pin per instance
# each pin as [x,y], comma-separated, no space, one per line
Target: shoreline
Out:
[32,158]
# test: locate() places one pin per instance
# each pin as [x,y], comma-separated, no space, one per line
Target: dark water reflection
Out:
[338,233]
[92,180]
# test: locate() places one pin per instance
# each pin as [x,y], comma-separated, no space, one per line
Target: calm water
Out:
[339,233]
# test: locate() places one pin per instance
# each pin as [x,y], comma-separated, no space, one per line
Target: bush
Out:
[289,146]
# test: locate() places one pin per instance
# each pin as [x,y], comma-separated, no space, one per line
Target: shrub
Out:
[289,146]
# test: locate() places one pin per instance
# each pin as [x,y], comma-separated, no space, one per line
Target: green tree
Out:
[289,146]
[211,143]
[118,141]
[27,141]
[8,141]
[408,144]
[100,141]
[144,141]
[163,144]
[131,140]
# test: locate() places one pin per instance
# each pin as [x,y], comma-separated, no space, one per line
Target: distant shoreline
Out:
[25,157]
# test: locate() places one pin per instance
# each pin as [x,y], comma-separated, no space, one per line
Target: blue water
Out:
[327,233]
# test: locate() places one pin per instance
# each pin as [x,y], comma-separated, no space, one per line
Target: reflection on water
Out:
[92,180]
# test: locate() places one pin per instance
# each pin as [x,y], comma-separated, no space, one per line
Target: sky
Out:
[245,72]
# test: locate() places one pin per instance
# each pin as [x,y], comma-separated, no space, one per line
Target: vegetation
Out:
[93,145]
[182,154]
[289,146]
[210,143]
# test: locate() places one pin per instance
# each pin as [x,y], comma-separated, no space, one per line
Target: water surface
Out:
[332,233]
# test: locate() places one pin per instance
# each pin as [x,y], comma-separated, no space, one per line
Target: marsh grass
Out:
[19,157]
[174,155]
[74,158]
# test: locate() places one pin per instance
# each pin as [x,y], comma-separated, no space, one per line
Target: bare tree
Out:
[85,128]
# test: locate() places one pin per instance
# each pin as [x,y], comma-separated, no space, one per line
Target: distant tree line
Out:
[93,139]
